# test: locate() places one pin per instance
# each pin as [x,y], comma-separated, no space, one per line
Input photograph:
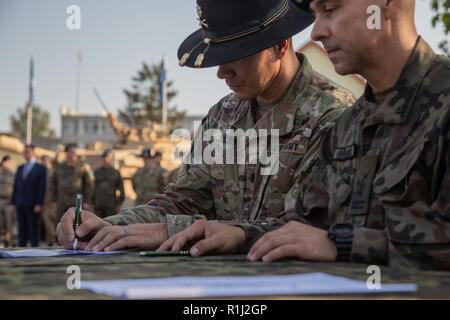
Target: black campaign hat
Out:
[303,4]
[146,153]
[235,29]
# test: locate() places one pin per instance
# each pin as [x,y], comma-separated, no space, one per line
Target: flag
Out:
[31,83]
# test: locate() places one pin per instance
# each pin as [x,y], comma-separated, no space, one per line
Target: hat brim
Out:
[294,21]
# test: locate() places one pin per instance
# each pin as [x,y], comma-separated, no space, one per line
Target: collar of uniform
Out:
[282,115]
[395,108]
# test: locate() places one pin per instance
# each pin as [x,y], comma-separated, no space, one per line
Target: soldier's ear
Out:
[282,48]
[391,9]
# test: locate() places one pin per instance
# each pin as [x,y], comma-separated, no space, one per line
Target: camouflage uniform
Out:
[385,168]
[7,215]
[239,191]
[48,214]
[172,176]
[67,182]
[108,182]
[147,183]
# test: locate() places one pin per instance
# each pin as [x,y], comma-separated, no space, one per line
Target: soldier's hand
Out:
[90,225]
[209,237]
[143,236]
[294,240]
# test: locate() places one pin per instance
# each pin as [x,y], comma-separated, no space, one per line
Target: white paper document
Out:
[241,286]
[44,253]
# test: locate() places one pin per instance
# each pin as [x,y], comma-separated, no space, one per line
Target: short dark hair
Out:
[30,146]
[69,146]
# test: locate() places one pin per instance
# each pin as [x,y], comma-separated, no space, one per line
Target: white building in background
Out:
[84,129]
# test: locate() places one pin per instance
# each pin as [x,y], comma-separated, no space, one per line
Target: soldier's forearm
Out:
[139,214]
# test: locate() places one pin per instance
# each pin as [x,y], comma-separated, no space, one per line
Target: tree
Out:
[143,99]
[41,123]
[441,9]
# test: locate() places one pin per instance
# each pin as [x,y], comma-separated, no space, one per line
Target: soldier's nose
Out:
[224,72]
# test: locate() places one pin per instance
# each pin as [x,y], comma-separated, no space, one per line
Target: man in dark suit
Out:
[28,197]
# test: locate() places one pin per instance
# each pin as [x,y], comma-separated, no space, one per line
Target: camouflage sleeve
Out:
[255,231]
[182,202]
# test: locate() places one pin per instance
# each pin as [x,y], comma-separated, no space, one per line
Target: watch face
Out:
[343,230]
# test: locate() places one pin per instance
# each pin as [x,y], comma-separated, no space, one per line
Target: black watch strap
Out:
[342,235]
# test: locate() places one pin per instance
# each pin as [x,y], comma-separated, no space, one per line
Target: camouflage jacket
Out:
[147,183]
[238,191]
[48,195]
[6,184]
[107,183]
[172,176]
[385,168]
[68,181]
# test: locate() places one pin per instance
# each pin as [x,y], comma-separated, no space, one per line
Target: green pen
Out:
[164,253]
[77,221]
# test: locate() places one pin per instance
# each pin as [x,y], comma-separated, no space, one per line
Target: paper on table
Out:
[43,253]
[242,286]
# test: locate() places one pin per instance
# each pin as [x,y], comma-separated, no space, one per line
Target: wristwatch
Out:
[342,235]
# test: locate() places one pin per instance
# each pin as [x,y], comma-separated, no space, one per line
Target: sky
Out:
[115,38]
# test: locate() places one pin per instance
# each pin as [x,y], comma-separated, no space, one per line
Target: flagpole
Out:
[77,88]
[29,123]
[29,135]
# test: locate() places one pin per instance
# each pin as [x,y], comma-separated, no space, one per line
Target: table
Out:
[45,278]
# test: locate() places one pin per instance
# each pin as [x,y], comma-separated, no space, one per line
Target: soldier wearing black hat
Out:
[274,89]
[108,194]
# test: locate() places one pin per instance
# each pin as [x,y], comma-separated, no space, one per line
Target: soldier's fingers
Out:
[127,242]
[167,245]
[67,225]
[259,243]
[98,237]
[284,251]
[270,242]
[111,237]
[208,245]
[62,237]
[81,245]
[194,232]
[90,224]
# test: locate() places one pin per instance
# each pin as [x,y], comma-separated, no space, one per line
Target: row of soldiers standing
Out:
[103,189]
